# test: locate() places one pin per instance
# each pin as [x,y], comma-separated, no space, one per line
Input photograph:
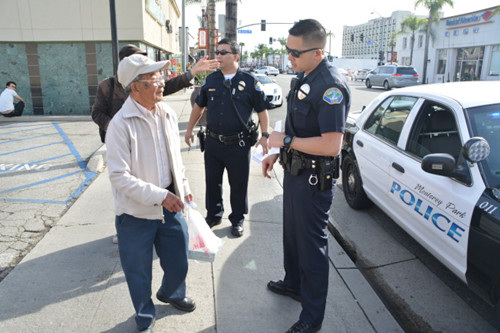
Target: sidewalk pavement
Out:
[72,280]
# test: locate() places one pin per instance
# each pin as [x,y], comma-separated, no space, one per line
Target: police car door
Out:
[375,145]
[435,210]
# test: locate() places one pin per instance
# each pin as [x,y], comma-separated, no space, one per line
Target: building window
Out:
[442,55]
[420,41]
[495,61]
[405,41]
[469,63]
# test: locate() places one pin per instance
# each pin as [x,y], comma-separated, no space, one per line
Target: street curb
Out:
[97,161]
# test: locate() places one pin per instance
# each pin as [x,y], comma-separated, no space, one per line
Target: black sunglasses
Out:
[223,52]
[297,53]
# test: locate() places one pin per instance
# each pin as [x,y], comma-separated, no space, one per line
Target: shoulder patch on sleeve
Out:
[258,86]
[333,96]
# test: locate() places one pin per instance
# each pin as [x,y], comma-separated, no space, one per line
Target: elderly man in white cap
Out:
[149,186]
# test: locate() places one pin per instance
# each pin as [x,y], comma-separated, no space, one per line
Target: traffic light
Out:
[262,25]
[381,55]
[352,37]
[361,37]
[270,40]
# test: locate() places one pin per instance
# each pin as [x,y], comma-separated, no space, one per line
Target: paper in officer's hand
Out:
[258,154]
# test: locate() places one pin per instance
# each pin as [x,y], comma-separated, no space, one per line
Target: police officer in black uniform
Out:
[318,104]
[229,95]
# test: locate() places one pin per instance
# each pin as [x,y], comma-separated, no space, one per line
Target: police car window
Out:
[387,121]
[434,131]
[485,122]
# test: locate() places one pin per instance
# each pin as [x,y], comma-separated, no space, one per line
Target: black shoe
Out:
[213,223]
[279,287]
[303,327]
[185,304]
[237,231]
[148,329]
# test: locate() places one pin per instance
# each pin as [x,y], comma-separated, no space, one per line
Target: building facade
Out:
[368,40]
[57,51]
[465,47]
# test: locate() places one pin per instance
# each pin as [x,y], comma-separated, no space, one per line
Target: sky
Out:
[332,14]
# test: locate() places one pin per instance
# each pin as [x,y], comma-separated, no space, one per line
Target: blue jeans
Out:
[136,238]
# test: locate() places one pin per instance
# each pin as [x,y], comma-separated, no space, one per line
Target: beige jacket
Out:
[132,163]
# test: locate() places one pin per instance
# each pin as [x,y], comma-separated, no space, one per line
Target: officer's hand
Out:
[172,203]
[204,65]
[263,142]
[276,139]
[267,165]
[189,138]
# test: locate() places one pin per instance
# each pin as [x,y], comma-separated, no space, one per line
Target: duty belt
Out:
[227,139]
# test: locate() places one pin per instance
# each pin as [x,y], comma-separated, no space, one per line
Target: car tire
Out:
[386,85]
[352,185]
[368,84]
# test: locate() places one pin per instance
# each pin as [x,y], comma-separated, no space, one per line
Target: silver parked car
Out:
[392,76]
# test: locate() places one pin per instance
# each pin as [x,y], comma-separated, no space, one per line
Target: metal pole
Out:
[183,36]
[114,35]
[330,46]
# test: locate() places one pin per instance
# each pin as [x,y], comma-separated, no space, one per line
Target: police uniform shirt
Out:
[320,102]
[245,90]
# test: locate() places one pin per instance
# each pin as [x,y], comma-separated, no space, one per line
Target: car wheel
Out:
[368,84]
[386,85]
[351,184]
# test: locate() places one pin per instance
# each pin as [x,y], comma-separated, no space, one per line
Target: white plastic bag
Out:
[203,243]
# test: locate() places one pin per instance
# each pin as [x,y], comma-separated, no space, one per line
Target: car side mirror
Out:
[443,164]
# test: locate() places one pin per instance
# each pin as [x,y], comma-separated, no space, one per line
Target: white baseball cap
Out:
[132,66]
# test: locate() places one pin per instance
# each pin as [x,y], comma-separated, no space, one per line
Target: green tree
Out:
[434,6]
[412,24]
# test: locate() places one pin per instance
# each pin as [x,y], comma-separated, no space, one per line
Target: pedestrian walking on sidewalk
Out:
[7,106]
[229,96]
[147,177]
[111,95]
[318,104]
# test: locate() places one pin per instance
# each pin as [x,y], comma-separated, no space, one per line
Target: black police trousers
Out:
[305,242]
[236,160]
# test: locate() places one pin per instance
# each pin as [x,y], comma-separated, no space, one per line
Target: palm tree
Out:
[392,44]
[212,35]
[263,50]
[412,24]
[434,6]
[231,19]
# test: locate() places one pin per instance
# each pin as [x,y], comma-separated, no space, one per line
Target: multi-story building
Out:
[58,50]
[464,47]
[372,39]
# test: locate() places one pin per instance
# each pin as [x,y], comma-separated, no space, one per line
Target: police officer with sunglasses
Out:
[229,96]
[318,104]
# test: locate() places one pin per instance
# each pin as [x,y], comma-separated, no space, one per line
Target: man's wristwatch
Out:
[265,134]
[287,141]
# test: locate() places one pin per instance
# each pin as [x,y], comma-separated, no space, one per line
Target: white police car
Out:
[429,156]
